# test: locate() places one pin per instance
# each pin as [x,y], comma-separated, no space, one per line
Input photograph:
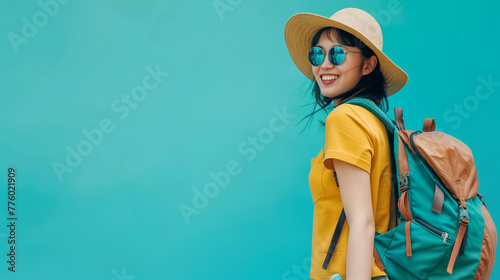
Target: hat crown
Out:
[362,22]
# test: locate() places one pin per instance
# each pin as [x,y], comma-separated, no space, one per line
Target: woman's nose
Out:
[327,64]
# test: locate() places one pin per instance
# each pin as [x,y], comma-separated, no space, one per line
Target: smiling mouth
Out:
[329,77]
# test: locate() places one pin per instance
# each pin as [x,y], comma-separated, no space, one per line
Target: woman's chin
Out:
[329,94]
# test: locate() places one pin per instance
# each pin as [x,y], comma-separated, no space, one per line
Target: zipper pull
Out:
[445,236]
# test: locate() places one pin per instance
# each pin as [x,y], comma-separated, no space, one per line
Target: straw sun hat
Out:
[301,28]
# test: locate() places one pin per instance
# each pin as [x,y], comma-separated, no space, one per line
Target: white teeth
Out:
[329,77]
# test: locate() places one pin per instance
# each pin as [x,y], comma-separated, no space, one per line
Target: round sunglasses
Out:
[336,55]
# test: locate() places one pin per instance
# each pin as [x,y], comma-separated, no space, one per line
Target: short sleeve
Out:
[347,138]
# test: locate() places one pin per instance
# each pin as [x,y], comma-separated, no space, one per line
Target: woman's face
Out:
[334,80]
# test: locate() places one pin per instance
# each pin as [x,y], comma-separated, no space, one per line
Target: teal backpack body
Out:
[444,230]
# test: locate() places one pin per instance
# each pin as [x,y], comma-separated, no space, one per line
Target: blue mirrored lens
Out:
[316,56]
[336,55]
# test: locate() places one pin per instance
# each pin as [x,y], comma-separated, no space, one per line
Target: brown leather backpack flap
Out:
[488,250]
[451,159]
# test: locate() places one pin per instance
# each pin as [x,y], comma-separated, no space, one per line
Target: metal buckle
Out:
[403,181]
[463,215]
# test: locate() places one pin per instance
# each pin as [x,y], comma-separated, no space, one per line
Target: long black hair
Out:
[371,86]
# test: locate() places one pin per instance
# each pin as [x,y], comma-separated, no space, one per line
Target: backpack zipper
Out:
[430,227]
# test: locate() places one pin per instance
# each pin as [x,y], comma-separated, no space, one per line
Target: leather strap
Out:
[404,203]
[398,115]
[404,206]
[408,238]
[335,239]
[402,158]
[437,203]
[429,125]
[378,260]
[458,242]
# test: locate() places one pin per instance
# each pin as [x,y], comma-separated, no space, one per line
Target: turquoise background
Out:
[117,214]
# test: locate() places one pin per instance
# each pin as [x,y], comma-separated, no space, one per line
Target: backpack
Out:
[444,230]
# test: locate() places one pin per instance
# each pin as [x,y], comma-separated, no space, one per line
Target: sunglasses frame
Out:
[328,54]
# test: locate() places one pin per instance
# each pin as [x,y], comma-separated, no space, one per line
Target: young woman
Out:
[343,56]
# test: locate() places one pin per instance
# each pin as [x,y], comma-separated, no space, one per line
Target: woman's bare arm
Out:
[354,184]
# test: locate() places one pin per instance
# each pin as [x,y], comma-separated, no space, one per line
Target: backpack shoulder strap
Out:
[363,102]
[335,239]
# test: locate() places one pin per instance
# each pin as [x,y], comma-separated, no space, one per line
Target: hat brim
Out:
[300,30]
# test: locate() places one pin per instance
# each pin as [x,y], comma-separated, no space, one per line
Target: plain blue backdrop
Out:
[163,139]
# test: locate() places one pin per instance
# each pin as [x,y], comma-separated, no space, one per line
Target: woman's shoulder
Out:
[345,112]
[349,115]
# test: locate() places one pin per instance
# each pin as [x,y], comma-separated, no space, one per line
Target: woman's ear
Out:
[369,64]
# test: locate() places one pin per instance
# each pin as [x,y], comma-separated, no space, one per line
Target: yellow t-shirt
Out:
[352,134]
